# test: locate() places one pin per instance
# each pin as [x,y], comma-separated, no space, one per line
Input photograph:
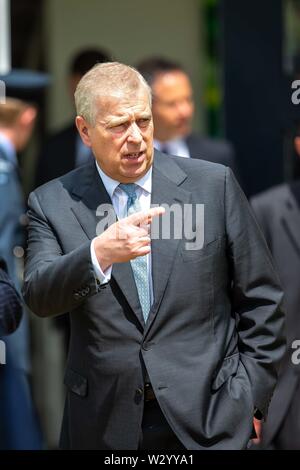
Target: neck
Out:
[10,135]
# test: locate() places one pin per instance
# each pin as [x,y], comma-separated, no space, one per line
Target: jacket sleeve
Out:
[54,282]
[256,296]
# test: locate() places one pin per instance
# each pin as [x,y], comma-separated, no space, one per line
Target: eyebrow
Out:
[114,121]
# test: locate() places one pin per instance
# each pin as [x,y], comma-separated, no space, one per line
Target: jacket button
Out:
[139,393]
[18,251]
[23,220]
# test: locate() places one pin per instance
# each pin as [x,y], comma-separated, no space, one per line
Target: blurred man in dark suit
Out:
[64,150]
[278,211]
[173,111]
[10,303]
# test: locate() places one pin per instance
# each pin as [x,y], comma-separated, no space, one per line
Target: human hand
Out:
[126,239]
[257,423]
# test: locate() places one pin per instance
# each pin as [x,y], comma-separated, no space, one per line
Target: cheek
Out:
[115,143]
[148,134]
[160,116]
[173,117]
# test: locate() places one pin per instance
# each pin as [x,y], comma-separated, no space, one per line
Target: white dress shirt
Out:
[177,147]
[119,201]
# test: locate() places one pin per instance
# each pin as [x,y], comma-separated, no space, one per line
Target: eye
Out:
[119,128]
[143,122]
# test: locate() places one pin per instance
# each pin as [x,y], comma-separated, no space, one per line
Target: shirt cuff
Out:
[104,277]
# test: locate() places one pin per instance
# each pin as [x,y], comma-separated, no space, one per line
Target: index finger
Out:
[145,217]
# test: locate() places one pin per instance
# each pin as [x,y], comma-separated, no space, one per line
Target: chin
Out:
[137,174]
[183,132]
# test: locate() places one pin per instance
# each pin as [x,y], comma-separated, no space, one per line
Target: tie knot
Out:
[132,200]
[164,148]
[129,189]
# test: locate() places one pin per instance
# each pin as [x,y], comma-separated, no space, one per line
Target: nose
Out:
[185,109]
[134,134]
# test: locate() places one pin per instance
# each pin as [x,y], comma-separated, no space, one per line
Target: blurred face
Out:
[24,127]
[122,138]
[173,106]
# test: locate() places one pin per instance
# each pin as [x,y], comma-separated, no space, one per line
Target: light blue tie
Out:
[139,264]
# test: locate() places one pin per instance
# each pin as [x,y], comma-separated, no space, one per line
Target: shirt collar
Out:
[8,149]
[176,147]
[111,185]
[168,143]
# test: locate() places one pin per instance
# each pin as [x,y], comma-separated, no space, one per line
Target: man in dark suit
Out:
[278,212]
[173,111]
[176,341]
[64,150]
[10,303]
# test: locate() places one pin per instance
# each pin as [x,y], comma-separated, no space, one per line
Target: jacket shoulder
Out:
[200,167]
[215,149]
[271,196]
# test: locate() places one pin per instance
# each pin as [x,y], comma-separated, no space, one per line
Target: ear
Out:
[297,145]
[28,116]
[83,129]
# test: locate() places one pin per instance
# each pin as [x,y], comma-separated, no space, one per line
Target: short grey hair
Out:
[105,80]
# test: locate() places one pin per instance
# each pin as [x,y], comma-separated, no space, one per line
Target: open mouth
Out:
[134,155]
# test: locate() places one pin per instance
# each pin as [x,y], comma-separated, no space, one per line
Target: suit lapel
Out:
[291,221]
[90,193]
[166,178]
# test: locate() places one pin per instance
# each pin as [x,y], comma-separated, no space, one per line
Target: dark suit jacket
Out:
[278,213]
[212,150]
[208,374]
[10,304]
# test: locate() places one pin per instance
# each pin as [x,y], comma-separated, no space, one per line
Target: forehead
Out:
[171,81]
[122,104]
